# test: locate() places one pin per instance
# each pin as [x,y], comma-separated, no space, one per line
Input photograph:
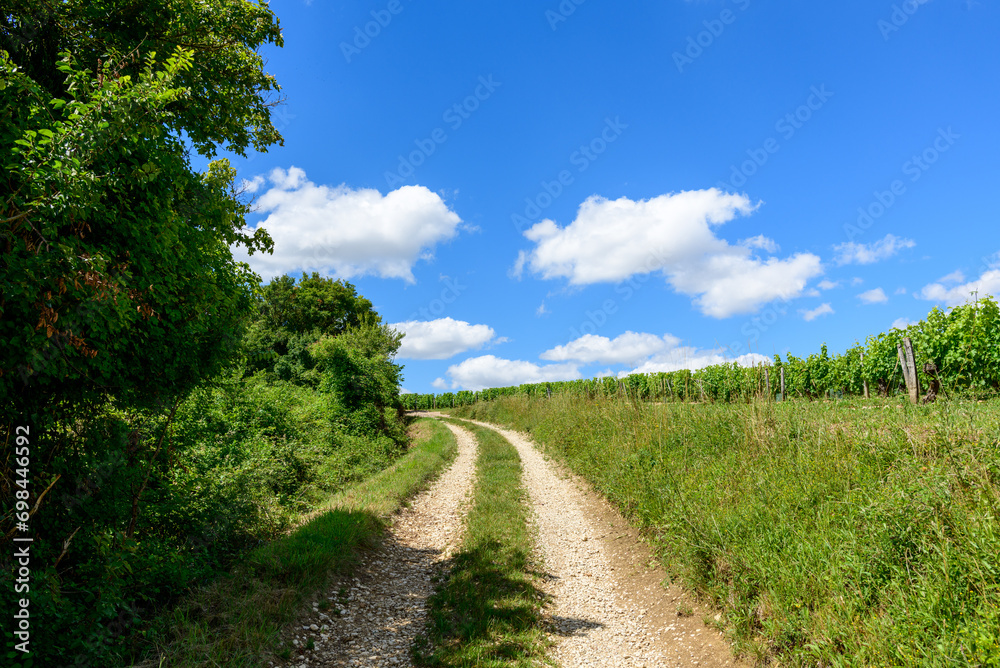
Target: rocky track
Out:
[610,607]
[376,614]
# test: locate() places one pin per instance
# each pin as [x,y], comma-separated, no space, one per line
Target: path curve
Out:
[386,598]
[610,610]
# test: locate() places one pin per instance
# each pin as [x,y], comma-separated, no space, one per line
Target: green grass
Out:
[236,621]
[487,613]
[850,533]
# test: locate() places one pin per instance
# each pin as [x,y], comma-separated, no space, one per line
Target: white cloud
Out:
[761,242]
[954,277]
[477,373]
[828,285]
[945,291]
[857,280]
[643,353]
[253,185]
[626,348]
[440,339]
[687,357]
[541,310]
[874,296]
[855,253]
[611,240]
[902,323]
[900,291]
[346,232]
[822,309]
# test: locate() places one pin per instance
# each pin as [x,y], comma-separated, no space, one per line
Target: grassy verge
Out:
[235,621]
[487,612]
[831,533]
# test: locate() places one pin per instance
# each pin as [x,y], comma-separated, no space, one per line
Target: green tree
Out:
[119,290]
[116,265]
[292,316]
[360,375]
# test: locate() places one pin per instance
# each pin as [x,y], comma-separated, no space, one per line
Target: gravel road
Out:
[383,606]
[610,608]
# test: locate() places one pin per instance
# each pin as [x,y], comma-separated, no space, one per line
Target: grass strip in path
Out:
[236,620]
[488,611]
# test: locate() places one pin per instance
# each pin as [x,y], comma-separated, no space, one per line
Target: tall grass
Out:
[831,533]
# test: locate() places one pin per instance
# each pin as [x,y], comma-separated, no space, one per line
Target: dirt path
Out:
[382,607]
[610,607]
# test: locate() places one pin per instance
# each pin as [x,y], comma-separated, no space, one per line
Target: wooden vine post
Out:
[864,382]
[767,381]
[782,383]
[907,361]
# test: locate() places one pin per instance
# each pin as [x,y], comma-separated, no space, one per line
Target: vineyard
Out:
[957,352]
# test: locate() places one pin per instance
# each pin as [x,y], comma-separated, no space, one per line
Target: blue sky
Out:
[542,191]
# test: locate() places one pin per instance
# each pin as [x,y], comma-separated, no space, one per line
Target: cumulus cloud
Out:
[611,240]
[956,276]
[828,285]
[822,309]
[641,352]
[855,253]
[477,373]
[253,185]
[686,357]
[440,339]
[761,242]
[947,292]
[626,348]
[873,296]
[346,232]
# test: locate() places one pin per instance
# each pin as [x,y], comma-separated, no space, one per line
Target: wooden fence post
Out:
[782,383]
[906,360]
[767,381]
[863,381]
